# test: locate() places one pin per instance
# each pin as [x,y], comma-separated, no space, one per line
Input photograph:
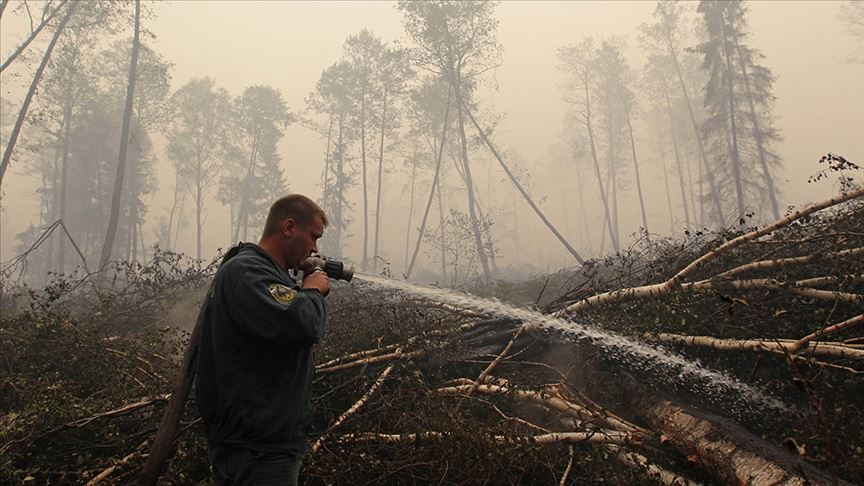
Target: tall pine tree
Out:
[739,130]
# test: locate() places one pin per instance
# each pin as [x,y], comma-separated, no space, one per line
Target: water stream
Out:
[663,364]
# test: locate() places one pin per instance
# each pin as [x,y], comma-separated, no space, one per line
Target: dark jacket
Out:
[255,362]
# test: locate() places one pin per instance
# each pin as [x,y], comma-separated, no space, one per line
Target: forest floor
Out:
[409,390]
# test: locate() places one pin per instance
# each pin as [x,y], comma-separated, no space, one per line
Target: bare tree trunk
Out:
[22,114]
[325,185]
[340,167]
[432,189]
[668,196]
[177,196]
[521,189]
[162,442]
[64,172]
[733,133]
[612,178]
[243,210]
[715,195]
[597,173]
[365,185]
[731,453]
[581,183]
[32,35]
[757,135]
[638,181]
[410,214]
[199,207]
[469,183]
[378,192]
[441,231]
[677,158]
[124,143]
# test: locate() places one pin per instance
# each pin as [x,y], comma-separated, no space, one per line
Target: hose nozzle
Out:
[333,268]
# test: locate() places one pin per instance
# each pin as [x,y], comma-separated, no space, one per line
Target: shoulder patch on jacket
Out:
[282,293]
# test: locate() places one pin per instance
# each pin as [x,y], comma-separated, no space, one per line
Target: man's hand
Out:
[317,280]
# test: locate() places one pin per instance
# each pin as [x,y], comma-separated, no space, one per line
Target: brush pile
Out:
[411,390]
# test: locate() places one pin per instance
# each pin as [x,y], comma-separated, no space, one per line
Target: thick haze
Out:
[819,107]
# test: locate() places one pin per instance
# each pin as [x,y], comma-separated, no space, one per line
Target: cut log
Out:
[733,454]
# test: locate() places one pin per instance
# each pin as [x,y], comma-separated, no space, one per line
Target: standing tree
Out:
[202,112]
[579,63]
[392,75]
[22,114]
[124,141]
[363,52]
[738,97]
[456,40]
[259,118]
[666,37]
[332,97]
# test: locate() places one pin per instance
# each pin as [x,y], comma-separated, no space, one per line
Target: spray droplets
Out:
[667,366]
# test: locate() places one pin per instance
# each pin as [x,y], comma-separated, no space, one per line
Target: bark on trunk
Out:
[521,189]
[432,191]
[124,143]
[162,442]
[45,21]
[19,122]
[757,135]
[715,196]
[469,183]
[731,453]
[378,192]
[638,180]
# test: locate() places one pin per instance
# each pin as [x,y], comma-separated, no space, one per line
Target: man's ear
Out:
[289,226]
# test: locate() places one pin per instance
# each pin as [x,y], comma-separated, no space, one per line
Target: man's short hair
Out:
[295,206]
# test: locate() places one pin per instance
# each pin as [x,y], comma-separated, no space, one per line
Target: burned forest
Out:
[567,242]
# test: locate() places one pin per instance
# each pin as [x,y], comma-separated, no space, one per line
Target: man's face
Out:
[301,241]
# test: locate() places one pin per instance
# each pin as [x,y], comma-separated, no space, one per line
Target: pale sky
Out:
[820,96]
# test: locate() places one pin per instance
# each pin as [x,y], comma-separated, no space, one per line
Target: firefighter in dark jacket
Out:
[255,365]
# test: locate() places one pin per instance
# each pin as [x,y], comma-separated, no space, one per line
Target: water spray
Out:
[669,366]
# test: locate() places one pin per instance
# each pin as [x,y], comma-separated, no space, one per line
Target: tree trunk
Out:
[469,183]
[668,194]
[612,178]
[124,143]
[177,196]
[378,192]
[638,181]
[585,224]
[64,171]
[199,207]
[410,214]
[432,191]
[715,196]
[597,173]
[441,232]
[757,135]
[365,185]
[731,453]
[522,190]
[733,132]
[162,442]
[325,193]
[22,114]
[243,210]
[32,35]
[340,167]
[677,158]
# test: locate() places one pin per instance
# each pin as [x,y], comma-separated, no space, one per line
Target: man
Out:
[255,362]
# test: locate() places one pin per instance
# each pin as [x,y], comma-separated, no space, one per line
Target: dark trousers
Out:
[238,466]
